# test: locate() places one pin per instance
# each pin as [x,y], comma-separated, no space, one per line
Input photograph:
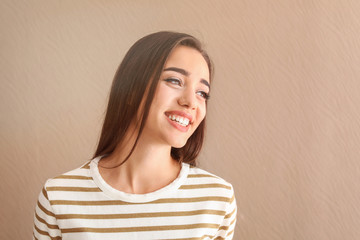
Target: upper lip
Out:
[180,113]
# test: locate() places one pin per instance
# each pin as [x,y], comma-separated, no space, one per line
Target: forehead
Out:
[190,60]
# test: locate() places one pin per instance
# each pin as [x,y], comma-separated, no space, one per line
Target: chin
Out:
[179,144]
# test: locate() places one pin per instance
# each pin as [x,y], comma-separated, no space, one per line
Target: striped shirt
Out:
[81,205]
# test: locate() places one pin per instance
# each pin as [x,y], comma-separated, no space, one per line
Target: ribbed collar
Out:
[137,198]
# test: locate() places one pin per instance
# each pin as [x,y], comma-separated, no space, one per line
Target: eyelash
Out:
[204,95]
[173,80]
[176,81]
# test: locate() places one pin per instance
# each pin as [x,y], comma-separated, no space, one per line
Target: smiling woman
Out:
[180,98]
[143,182]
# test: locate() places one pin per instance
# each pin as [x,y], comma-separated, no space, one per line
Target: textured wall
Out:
[283,120]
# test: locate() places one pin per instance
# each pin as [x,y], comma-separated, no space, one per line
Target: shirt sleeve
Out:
[226,229]
[45,223]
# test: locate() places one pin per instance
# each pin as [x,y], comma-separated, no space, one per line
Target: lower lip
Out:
[178,126]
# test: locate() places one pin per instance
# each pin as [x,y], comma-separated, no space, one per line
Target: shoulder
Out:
[76,175]
[200,178]
[198,173]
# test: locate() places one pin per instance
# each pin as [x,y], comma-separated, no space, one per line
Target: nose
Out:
[187,99]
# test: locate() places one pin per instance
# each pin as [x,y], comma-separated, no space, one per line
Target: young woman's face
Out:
[179,104]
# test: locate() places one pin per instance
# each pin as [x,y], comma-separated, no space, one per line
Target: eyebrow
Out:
[186,73]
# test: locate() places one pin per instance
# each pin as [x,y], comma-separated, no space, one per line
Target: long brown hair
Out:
[140,71]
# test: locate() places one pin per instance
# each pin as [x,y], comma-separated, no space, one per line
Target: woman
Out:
[142,182]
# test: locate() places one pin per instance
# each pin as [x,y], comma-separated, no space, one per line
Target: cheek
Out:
[163,95]
[201,113]
[159,99]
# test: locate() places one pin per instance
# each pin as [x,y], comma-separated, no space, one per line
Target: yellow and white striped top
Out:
[81,205]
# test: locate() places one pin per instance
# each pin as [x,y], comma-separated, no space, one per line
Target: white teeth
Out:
[186,121]
[180,120]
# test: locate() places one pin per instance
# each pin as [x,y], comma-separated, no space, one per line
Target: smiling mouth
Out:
[183,121]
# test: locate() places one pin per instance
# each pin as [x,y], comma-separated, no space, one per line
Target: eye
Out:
[203,95]
[174,81]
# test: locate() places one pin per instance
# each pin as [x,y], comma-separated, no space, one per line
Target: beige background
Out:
[283,118]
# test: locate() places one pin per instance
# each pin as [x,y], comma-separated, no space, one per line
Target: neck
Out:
[149,167]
